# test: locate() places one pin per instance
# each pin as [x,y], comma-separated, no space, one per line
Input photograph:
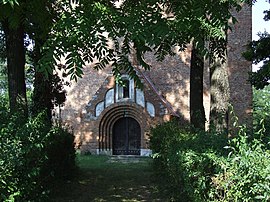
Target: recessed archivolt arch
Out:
[114,113]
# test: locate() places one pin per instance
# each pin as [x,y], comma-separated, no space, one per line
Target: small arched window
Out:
[125,90]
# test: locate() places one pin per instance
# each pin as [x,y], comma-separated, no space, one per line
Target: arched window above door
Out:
[124,92]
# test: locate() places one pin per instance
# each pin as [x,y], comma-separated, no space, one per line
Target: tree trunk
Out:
[197,113]
[219,82]
[16,67]
[42,95]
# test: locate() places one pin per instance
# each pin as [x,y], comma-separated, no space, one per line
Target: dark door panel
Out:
[126,137]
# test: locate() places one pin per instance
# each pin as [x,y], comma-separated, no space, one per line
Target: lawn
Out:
[100,179]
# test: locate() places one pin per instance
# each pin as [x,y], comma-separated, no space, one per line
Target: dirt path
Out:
[100,179]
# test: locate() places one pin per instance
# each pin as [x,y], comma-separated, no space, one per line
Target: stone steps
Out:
[127,159]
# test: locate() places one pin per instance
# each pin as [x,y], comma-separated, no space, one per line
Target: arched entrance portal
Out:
[126,137]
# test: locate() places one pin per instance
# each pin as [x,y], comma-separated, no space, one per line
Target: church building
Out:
[112,119]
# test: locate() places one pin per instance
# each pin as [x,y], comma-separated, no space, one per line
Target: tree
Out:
[42,16]
[219,82]
[14,37]
[259,51]
[197,113]
[23,22]
[3,74]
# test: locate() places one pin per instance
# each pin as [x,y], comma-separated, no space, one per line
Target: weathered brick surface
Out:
[171,79]
[240,89]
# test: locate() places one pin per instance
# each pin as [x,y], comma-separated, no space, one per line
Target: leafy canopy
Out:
[259,52]
[106,32]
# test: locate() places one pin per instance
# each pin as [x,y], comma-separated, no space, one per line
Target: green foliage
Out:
[28,157]
[259,53]
[12,12]
[245,172]
[20,156]
[2,45]
[261,106]
[261,112]
[60,150]
[90,32]
[3,78]
[11,2]
[187,159]
[198,166]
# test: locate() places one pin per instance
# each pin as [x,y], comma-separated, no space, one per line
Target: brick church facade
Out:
[108,118]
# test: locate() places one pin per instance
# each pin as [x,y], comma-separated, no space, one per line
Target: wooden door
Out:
[126,137]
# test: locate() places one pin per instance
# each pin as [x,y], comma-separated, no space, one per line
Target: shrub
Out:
[22,154]
[60,150]
[245,172]
[30,156]
[201,166]
[261,111]
[186,159]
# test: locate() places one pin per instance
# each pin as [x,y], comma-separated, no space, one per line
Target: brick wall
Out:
[240,88]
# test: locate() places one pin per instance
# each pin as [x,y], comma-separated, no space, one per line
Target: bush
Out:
[60,150]
[261,111]
[186,159]
[245,172]
[198,166]
[30,157]
[22,154]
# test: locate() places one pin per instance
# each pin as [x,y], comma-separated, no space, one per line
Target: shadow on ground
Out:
[101,179]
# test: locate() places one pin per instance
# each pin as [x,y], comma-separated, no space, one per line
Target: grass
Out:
[98,179]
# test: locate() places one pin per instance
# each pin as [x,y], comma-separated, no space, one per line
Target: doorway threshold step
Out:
[128,158]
